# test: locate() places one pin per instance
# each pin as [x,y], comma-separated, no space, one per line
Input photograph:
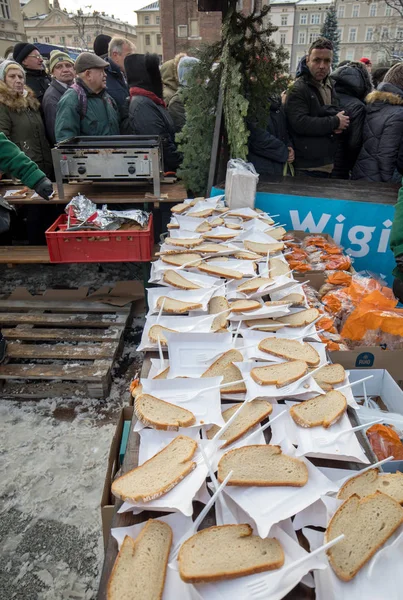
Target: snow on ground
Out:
[53,463]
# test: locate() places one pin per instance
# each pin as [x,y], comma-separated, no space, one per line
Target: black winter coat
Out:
[38,81]
[311,124]
[268,148]
[116,84]
[49,107]
[145,117]
[381,155]
[352,84]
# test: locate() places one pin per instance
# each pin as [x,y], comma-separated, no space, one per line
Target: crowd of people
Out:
[346,124]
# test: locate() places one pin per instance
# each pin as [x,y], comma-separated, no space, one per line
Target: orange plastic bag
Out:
[374,312]
[338,262]
[385,442]
[338,277]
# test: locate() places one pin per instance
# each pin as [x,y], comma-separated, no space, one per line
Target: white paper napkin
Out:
[191,354]
[177,323]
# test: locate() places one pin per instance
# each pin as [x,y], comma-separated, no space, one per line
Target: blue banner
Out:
[361,228]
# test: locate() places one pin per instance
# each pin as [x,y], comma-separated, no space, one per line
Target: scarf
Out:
[136,91]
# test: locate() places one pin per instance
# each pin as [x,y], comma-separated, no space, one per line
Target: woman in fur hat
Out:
[20,119]
[147,112]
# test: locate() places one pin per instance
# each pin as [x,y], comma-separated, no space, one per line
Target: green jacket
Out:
[16,163]
[396,235]
[21,122]
[100,118]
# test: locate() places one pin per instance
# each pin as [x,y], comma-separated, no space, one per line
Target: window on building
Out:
[35,40]
[148,39]
[5,9]
[182,31]
[283,38]
[157,20]
[158,39]
[388,11]
[76,39]
[284,20]
[399,33]
[88,38]
[194,28]
[62,39]
[384,34]
[350,54]
[340,12]
[381,57]
[303,19]
[47,40]
[315,19]
[302,37]
[369,34]
[146,20]
[340,32]
[372,10]
[313,37]
[356,10]
[239,5]
[352,35]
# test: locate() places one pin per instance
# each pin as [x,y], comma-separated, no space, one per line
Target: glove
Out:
[44,188]
[399,262]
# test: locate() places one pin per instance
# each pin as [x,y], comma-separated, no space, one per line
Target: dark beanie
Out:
[21,51]
[101,44]
[143,71]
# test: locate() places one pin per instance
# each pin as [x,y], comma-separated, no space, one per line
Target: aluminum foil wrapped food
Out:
[84,214]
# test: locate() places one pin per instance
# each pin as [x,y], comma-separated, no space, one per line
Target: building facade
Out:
[282,15]
[148,30]
[11,26]
[74,30]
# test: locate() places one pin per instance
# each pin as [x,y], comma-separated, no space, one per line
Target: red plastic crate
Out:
[125,245]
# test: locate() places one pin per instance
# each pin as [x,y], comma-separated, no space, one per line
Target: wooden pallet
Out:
[60,349]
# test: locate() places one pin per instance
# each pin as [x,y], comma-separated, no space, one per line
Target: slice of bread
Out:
[264,324]
[290,350]
[280,374]
[263,466]
[240,306]
[177,307]
[322,410]
[211,269]
[226,552]
[203,227]
[183,242]
[217,222]
[157,331]
[178,281]
[224,366]
[263,249]
[163,374]
[202,214]
[173,226]
[217,305]
[178,209]
[294,299]
[301,318]
[277,233]
[158,414]
[233,226]
[158,475]
[249,287]
[211,248]
[181,259]
[276,303]
[253,413]
[140,568]
[223,235]
[372,481]
[245,255]
[216,259]
[278,267]
[330,375]
[367,524]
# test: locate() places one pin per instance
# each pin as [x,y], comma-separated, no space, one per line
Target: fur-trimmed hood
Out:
[18,102]
[386,94]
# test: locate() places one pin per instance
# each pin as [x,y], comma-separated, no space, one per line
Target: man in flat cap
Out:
[61,67]
[86,108]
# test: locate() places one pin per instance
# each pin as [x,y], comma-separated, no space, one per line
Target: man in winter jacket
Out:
[31,60]
[313,116]
[381,155]
[61,67]
[352,84]
[86,108]
[116,83]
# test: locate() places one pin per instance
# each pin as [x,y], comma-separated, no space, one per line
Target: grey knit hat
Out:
[8,64]
[395,75]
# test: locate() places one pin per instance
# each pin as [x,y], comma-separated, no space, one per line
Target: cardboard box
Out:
[107,500]
[371,357]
